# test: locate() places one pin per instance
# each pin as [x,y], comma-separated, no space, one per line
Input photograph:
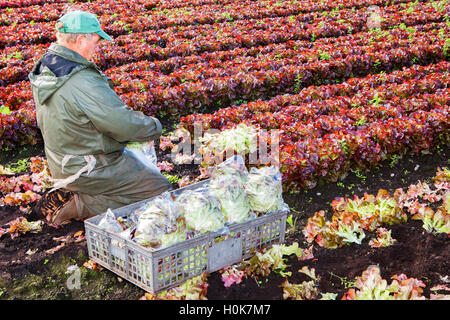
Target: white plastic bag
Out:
[144,152]
[110,223]
[232,166]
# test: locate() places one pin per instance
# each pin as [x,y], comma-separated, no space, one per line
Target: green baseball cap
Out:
[82,22]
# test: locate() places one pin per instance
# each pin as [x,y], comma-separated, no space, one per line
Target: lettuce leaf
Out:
[373,211]
[241,139]
[434,222]
[349,233]
[262,263]
[193,289]
[307,290]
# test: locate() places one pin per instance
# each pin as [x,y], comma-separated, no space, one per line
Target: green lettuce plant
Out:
[373,211]
[262,263]
[307,290]
[434,221]
[193,289]
[383,239]
[417,199]
[351,217]
[371,286]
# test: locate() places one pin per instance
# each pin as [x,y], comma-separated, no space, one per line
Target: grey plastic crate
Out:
[155,270]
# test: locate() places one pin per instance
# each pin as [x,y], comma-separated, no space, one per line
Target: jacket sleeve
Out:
[108,113]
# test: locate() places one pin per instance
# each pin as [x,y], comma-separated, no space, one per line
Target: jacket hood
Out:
[57,66]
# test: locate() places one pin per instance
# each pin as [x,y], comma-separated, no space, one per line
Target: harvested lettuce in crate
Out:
[229,190]
[110,223]
[160,224]
[232,166]
[201,210]
[264,189]
[227,185]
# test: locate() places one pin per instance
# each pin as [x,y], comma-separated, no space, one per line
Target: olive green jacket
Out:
[81,119]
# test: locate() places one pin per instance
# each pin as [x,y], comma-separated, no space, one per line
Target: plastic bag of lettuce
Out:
[243,195]
[264,190]
[233,195]
[159,223]
[201,211]
[227,184]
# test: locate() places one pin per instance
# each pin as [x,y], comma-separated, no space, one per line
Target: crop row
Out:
[15,65]
[247,84]
[25,3]
[157,17]
[20,126]
[331,156]
[53,11]
[17,61]
[149,4]
[308,5]
[354,112]
[220,91]
[20,4]
[325,139]
[309,120]
[209,78]
[147,75]
[303,11]
[184,71]
[291,27]
[163,44]
[313,100]
[16,95]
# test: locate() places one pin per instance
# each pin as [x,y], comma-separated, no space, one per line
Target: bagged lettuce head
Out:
[160,224]
[264,189]
[233,166]
[200,210]
[110,223]
[227,185]
[229,190]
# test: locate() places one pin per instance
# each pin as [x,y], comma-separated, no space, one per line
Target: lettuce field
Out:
[357,91]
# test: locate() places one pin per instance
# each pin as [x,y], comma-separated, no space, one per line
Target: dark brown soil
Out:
[416,253]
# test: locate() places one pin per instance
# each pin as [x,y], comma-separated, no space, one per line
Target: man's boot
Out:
[66,213]
[50,205]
